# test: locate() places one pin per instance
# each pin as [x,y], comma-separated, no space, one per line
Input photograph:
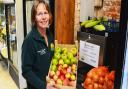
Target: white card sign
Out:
[89,53]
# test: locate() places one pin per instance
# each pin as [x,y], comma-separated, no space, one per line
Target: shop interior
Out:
[109,37]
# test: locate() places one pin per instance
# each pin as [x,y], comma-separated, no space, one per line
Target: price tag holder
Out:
[89,53]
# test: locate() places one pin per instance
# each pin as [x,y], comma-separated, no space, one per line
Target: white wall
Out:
[86,9]
[20,37]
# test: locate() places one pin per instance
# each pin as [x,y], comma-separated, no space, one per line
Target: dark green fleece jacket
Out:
[36,58]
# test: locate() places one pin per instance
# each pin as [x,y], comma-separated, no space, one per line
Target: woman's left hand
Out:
[50,87]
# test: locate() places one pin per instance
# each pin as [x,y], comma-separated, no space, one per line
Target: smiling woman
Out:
[36,48]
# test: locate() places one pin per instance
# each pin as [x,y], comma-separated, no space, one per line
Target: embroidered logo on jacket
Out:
[42,51]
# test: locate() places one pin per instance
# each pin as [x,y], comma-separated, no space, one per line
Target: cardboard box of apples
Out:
[63,68]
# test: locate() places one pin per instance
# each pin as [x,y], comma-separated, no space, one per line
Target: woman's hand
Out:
[50,87]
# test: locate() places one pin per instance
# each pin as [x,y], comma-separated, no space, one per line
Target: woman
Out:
[36,48]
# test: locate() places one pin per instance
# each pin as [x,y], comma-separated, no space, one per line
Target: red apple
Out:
[51,73]
[55,77]
[65,82]
[62,77]
[59,67]
[57,72]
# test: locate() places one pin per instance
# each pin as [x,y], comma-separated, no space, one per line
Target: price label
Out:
[89,53]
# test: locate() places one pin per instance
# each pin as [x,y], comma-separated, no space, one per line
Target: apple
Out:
[51,73]
[60,67]
[73,77]
[53,68]
[74,67]
[67,75]
[58,49]
[65,65]
[73,60]
[55,77]
[73,51]
[57,72]
[59,81]
[57,55]
[64,50]
[62,77]
[61,62]
[54,61]
[63,71]
[69,69]
[64,56]
[67,61]
[74,71]
[65,82]
[70,55]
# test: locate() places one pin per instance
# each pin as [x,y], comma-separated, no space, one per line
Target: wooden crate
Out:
[68,46]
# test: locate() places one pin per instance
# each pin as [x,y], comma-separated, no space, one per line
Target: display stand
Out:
[94,48]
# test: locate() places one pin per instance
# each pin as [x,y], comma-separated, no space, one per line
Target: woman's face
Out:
[42,16]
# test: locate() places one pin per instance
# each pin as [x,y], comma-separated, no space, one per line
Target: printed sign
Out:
[89,53]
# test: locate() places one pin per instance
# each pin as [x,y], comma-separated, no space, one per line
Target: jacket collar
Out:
[36,35]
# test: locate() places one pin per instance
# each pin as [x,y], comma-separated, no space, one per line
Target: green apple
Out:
[70,55]
[64,56]
[53,68]
[61,62]
[54,61]
[58,49]
[73,77]
[57,55]
[64,50]
[73,51]
[67,61]
[73,60]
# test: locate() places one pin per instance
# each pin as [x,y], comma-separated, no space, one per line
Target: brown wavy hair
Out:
[34,11]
